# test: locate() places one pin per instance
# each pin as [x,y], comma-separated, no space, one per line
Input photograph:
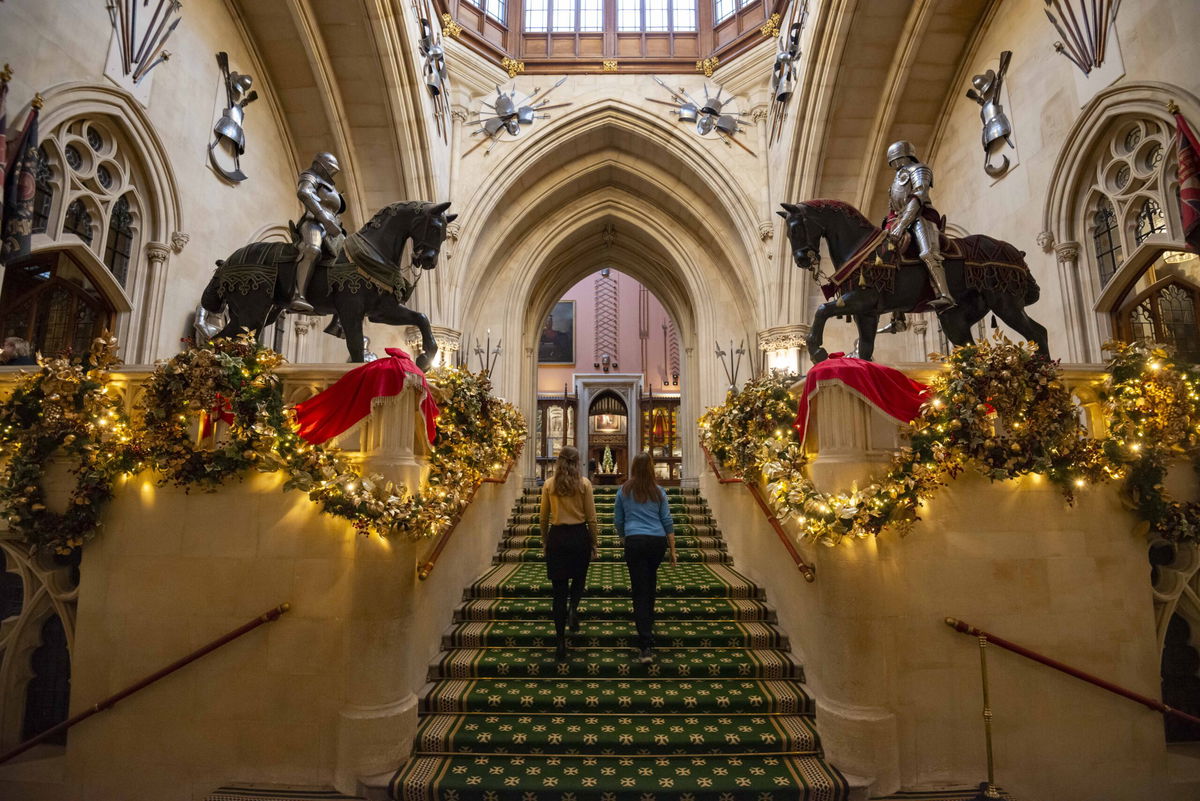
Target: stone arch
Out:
[156,201]
[1067,201]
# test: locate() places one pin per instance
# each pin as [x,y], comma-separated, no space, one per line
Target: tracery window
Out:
[87,189]
[1129,192]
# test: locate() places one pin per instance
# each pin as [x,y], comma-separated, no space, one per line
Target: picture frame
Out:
[556,342]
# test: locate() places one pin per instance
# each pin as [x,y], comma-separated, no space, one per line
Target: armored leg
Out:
[310,251]
[931,253]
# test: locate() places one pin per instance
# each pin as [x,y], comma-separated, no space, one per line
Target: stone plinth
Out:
[847,437]
[324,696]
[899,693]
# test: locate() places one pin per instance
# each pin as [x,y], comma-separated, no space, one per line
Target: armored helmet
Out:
[327,163]
[901,150]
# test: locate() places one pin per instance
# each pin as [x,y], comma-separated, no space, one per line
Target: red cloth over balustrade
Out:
[897,395]
[341,406]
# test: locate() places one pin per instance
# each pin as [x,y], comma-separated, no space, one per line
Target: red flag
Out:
[19,187]
[1189,180]
[3,127]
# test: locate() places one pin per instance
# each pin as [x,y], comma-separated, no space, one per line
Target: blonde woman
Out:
[642,517]
[570,537]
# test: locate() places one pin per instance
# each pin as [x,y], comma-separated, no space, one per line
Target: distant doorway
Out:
[608,438]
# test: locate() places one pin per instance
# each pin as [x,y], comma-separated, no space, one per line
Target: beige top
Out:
[568,509]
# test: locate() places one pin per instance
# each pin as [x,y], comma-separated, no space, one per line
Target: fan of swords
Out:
[141,46]
[433,67]
[507,114]
[711,116]
[1084,34]
[783,71]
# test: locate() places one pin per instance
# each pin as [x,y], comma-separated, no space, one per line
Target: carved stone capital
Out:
[783,337]
[157,252]
[758,114]
[179,241]
[448,340]
[459,113]
[1045,241]
[1067,252]
[766,230]
[453,230]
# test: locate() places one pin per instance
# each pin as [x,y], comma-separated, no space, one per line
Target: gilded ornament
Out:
[609,65]
[771,28]
[512,66]
[707,66]
[450,27]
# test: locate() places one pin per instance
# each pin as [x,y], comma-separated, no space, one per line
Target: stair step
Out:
[612,555]
[721,714]
[615,734]
[616,609]
[524,579]
[542,778]
[682,541]
[688,634]
[681,529]
[634,696]
[610,663]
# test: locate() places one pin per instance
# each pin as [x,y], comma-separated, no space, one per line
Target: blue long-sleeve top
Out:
[652,518]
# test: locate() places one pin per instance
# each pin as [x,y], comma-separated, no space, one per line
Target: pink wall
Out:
[629,352]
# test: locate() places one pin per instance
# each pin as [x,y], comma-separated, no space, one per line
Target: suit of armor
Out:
[912,211]
[320,224]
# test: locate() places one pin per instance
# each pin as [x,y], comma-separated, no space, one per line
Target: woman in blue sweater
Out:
[642,518]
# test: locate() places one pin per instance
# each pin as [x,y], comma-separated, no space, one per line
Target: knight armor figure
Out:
[911,211]
[320,227]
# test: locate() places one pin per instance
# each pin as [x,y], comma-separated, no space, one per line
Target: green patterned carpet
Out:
[722,715]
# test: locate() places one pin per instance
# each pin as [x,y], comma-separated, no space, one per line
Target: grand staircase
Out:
[722,715]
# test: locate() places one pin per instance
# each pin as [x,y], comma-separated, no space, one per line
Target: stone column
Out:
[157,255]
[377,724]
[1080,323]
[850,442]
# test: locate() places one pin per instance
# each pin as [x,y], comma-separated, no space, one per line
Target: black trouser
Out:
[643,555]
[568,551]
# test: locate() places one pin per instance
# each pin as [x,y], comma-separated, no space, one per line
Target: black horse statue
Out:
[362,279]
[871,278]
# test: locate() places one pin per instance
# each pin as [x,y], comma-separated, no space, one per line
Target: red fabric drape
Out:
[332,412]
[892,391]
[1189,181]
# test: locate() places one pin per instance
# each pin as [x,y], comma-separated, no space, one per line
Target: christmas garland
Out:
[62,410]
[233,380]
[763,409]
[1153,409]
[67,407]
[996,407]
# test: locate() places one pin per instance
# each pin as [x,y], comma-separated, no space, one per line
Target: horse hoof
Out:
[819,355]
[423,361]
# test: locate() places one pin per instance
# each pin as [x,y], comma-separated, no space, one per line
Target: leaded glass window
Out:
[79,221]
[1106,240]
[1149,221]
[656,15]
[120,240]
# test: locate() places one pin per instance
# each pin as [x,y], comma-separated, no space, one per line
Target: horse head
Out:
[424,223]
[428,234]
[804,237]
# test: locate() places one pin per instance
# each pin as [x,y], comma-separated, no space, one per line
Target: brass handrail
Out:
[426,567]
[112,700]
[1116,689]
[806,570]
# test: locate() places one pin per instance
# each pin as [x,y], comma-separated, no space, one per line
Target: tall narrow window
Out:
[1149,221]
[79,221]
[1106,240]
[1177,310]
[48,693]
[120,240]
[43,192]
